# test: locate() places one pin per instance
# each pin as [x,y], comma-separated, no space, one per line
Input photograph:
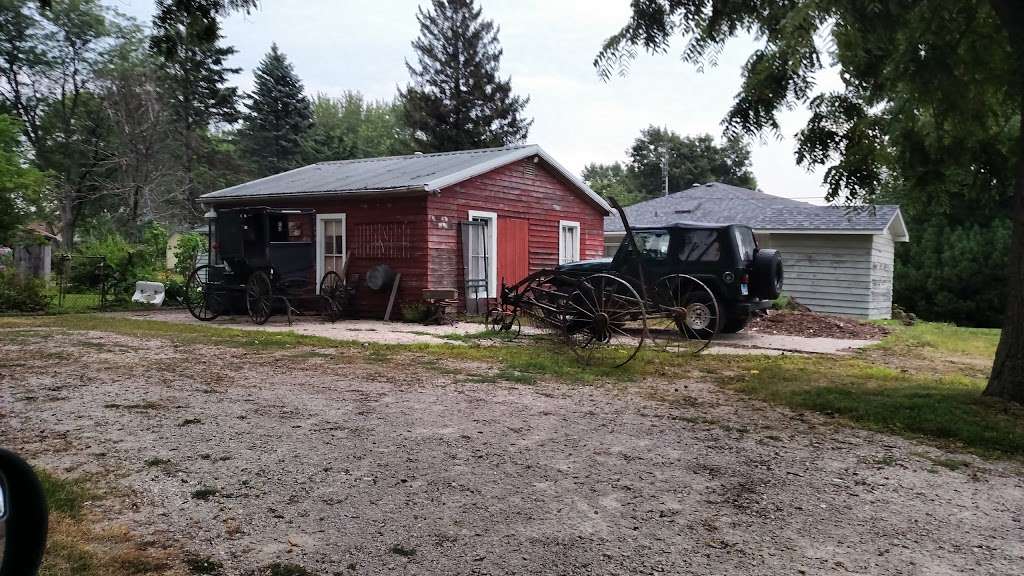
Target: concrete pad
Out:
[357,330]
[782,343]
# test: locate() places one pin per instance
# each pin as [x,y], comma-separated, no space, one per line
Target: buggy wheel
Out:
[685,317]
[202,301]
[604,321]
[258,297]
[328,310]
[333,288]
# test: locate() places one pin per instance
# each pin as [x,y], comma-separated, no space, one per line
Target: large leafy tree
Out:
[21,185]
[689,160]
[187,38]
[141,174]
[457,100]
[48,63]
[279,116]
[920,79]
[354,127]
[613,181]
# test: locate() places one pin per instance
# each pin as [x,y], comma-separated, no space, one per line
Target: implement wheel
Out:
[202,301]
[259,297]
[685,317]
[604,321]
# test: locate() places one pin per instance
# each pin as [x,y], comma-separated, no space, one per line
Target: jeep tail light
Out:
[745,279]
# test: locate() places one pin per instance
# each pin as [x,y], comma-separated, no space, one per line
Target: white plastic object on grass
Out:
[149,293]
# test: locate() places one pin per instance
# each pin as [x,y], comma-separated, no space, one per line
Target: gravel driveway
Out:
[347,464]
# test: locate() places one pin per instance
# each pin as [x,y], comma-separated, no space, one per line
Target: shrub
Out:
[22,294]
[187,252]
[415,312]
[127,263]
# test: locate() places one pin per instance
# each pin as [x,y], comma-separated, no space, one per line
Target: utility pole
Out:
[664,168]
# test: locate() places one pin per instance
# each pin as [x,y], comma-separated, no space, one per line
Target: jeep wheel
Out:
[733,324]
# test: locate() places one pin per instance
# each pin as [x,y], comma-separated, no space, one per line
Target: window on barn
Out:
[568,242]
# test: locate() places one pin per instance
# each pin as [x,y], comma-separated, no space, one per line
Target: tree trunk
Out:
[1007,379]
[67,222]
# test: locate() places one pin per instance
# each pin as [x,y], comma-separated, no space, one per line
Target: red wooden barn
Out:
[455,220]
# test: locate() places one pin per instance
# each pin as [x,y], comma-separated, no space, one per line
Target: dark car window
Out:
[653,244]
[745,244]
[699,246]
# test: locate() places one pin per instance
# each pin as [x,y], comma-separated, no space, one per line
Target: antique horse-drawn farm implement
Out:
[262,261]
[606,317]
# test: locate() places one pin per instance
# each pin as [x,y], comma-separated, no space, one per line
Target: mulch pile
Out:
[798,323]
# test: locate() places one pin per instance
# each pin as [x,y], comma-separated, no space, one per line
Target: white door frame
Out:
[320,243]
[492,256]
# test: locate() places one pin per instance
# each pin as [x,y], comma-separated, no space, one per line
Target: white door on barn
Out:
[330,245]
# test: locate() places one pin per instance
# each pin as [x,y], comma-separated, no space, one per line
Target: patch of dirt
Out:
[811,324]
[346,464]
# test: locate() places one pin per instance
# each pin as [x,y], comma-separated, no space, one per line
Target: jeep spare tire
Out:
[767,275]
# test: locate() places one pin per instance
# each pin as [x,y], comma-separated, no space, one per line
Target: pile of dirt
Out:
[799,323]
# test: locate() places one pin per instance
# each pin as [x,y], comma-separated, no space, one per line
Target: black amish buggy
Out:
[262,261]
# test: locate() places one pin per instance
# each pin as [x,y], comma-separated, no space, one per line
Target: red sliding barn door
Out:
[513,249]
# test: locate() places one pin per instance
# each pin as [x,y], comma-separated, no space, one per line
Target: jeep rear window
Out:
[745,244]
[653,244]
[700,246]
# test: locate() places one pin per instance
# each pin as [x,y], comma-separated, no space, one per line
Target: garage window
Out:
[568,241]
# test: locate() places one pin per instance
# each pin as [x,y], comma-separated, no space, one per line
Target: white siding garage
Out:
[842,274]
[837,260]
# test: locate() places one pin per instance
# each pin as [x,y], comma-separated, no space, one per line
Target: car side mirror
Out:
[23,517]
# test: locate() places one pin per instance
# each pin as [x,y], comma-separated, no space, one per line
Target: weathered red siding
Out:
[410,260]
[520,190]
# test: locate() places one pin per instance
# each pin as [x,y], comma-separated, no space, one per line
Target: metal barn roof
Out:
[717,203]
[412,173]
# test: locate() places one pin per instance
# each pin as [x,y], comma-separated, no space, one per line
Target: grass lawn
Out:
[923,381]
[75,546]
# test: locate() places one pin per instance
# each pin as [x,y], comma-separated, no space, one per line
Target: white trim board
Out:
[319,239]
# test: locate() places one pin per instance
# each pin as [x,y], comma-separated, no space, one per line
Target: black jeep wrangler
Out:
[727,259]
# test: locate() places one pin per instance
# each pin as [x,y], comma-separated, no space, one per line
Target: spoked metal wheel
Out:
[332,295]
[542,300]
[604,321]
[685,315]
[258,297]
[200,296]
[505,321]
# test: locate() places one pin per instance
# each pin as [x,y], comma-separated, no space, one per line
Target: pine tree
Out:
[279,117]
[457,101]
[186,37]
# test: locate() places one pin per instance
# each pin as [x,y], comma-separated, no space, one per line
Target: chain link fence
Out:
[83,283]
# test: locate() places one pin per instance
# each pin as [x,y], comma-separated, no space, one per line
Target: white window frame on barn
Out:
[491,219]
[568,248]
[321,252]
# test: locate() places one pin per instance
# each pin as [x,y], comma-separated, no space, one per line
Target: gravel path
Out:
[410,466]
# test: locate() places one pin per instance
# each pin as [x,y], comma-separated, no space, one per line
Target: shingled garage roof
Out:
[717,203]
[393,174]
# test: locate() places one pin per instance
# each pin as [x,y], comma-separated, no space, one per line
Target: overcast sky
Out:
[338,45]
